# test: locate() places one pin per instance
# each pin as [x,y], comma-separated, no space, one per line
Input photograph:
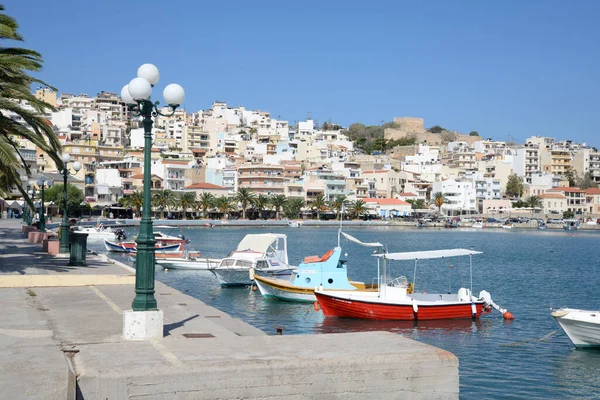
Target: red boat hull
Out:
[351,308]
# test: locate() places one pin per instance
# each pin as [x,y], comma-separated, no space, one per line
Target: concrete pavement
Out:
[205,354]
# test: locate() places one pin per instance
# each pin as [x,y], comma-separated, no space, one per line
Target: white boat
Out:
[101,232]
[507,226]
[478,225]
[261,254]
[190,260]
[581,326]
[295,224]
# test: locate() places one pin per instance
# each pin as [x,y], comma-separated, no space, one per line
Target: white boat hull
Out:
[183,263]
[581,326]
[286,295]
[232,276]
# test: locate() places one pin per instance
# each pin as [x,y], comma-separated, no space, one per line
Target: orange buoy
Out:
[508,315]
[254,288]
[316,305]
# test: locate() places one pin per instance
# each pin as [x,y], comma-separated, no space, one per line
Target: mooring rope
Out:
[543,338]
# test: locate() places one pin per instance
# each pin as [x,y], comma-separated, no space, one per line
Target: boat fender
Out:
[251,273]
[415,309]
[316,305]
[474,310]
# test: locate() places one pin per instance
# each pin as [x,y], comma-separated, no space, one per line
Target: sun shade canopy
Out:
[425,255]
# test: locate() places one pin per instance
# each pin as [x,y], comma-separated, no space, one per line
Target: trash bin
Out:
[78,248]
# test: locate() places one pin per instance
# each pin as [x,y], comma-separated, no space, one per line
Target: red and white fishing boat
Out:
[398,299]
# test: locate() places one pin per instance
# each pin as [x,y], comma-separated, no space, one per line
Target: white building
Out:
[460,196]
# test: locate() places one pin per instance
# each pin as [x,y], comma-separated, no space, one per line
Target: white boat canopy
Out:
[424,255]
[355,240]
[262,242]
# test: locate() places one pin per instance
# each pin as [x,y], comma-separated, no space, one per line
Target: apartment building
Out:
[261,179]
[592,201]
[387,182]
[575,197]
[460,196]
[553,203]
[527,161]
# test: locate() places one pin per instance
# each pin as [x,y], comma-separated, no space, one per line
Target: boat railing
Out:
[400,281]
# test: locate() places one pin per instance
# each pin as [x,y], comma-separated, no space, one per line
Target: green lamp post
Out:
[43,182]
[64,225]
[137,96]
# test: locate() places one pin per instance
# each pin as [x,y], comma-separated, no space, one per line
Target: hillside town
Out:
[218,152]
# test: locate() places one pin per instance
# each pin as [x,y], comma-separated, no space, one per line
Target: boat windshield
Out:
[243,263]
[228,262]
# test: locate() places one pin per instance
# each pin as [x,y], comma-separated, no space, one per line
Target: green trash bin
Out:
[78,249]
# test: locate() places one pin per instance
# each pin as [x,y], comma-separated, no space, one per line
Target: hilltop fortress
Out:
[415,127]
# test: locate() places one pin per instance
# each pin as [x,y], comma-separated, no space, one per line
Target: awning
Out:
[259,242]
[102,189]
[425,255]
[355,240]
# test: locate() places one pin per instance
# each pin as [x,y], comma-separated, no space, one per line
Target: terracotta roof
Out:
[379,171]
[205,185]
[387,202]
[592,191]
[406,194]
[566,189]
[551,196]
[141,176]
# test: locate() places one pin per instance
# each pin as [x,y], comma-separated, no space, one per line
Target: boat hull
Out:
[271,288]
[232,277]
[582,327]
[128,247]
[333,306]
[184,263]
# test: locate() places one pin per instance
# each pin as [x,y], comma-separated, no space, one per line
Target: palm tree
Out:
[162,199]
[207,200]
[225,205]
[416,204]
[319,204]
[186,200]
[293,208]
[135,201]
[260,203]
[278,202]
[439,199]
[15,83]
[338,204]
[358,207]
[245,197]
[533,201]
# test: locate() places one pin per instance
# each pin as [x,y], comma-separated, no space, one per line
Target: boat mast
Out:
[340,230]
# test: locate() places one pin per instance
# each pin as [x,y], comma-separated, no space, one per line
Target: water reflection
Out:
[579,372]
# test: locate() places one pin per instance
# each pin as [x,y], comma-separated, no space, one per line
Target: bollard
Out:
[78,249]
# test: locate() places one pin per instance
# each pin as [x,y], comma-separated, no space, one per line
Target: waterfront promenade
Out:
[60,335]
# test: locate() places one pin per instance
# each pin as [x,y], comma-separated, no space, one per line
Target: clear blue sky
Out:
[503,68]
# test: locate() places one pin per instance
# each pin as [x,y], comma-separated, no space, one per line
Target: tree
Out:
[163,199]
[439,199]
[245,197]
[225,205]
[587,181]
[514,186]
[571,175]
[135,201]
[278,202]
[473,133]
[325,126]
[568,214]
[416,204]
[436,129]
[319,204]
[261,202]
[358,207]
[293,208]
[338,203]
[55,194]
[207,200]
[15,82]
[186,200]
[533,202]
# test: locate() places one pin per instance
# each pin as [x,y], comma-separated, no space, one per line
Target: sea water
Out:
[527,272]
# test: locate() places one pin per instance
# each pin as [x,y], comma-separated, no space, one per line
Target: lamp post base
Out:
[142,325]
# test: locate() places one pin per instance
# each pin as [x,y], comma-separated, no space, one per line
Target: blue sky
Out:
[503,68]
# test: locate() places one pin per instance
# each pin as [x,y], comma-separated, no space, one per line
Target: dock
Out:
[60,335]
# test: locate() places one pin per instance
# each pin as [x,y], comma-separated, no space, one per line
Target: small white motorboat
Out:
[191,261]
[257,254]
[101,232]
[295,224]
[581,326]
[478,225]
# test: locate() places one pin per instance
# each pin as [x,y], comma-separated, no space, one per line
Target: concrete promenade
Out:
[60,338]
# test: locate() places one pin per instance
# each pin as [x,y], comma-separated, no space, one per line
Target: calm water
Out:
[526,271]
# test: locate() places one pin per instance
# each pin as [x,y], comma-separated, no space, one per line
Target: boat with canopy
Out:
[397,299]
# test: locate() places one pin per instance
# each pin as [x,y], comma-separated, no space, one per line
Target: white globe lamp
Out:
[125,96]
[149,72]
[174,95]
[139,89]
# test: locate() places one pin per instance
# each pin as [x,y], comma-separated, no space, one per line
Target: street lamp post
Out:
[64,226]
[43,182]
[137,96]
